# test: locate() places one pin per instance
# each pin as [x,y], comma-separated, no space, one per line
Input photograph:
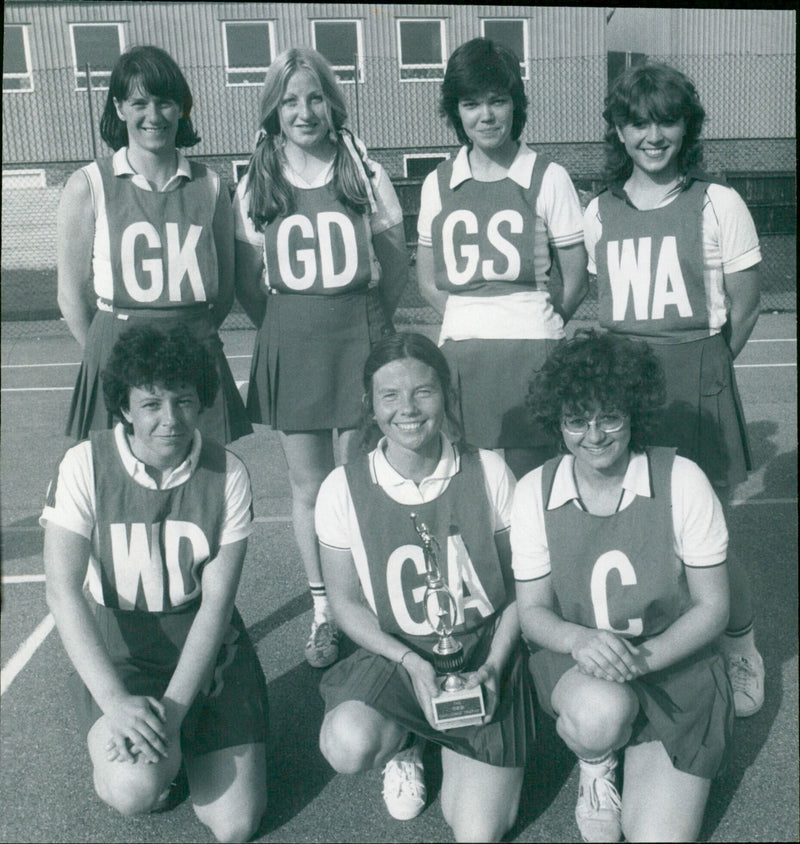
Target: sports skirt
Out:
[688,707]
[703,416]
[231,707]
[308,360]
[225,421]
[506,741]
[492,379]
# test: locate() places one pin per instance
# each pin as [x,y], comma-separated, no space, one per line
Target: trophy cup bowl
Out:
[455,705]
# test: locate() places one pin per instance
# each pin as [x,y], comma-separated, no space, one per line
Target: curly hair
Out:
[599,370]
[656,92]
[145,356]
[156,73]
[400,346]
[478,66]
[271,194]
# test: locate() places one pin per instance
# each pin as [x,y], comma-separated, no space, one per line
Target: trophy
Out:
[455,705]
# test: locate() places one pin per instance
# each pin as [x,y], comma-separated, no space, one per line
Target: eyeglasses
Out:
[608,423]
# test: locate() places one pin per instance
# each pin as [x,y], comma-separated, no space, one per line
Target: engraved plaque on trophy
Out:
[455,705]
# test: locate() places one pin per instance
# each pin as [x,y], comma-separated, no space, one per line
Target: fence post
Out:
[358,109]
[91,110]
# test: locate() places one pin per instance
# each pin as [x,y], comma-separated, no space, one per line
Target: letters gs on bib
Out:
[463,243]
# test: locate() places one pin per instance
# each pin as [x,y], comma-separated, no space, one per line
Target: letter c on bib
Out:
[604,565]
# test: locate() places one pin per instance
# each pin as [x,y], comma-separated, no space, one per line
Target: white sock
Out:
[322,607]
[744,644]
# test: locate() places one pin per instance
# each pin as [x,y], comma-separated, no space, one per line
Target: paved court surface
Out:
[45,779]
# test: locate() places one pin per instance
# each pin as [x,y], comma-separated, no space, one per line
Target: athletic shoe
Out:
[322,647]
[599,807]
[404,784]
[746,673]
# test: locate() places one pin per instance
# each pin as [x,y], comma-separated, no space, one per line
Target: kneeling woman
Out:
[378,702]
[160,518]
[619,556]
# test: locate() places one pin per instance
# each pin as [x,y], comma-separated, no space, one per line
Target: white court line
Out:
[25,652]
[22,578]
[760,365]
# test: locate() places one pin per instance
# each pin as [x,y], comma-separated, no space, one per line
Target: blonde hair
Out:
[271,194]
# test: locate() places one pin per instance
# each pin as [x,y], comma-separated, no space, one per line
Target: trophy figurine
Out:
[455,706]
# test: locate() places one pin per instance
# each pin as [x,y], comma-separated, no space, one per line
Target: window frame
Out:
[416,156]
[406,67]
[526,45]
[97,84]
[238,162]
[26,47]
[359,70]
[254,69]
[38,173]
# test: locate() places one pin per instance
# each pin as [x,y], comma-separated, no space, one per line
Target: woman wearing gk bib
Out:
[146,530]
[619,557]
[145,236]
[379,701]
[317,223]
[491,223]
[676,256]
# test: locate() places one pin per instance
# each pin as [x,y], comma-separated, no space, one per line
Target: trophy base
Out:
[462,708]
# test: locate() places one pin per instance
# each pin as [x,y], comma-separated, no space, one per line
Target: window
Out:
[511,33]
[422,49]
[99,45]
[16,59]
[239,168]
[618,62]
[248,51]
[417,165]
[23,179]
[340,43]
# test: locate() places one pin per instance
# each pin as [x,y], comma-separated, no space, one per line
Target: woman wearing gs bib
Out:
[149,236]
[312,216]
[491,223]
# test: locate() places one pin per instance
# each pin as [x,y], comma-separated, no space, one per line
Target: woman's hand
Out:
[603,654]
[426,686]
[138,727]
[487,677]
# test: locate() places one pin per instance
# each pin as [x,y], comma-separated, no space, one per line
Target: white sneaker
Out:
[746,673]
[322,647]
[599,807]
[404,790]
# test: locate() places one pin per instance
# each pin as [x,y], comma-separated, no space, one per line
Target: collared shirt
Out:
[122,167]
[700,536]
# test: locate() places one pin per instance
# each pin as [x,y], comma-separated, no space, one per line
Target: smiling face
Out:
[488,119]
[409,407]
[303,112]
[654,146]
[596,450]
[163,421]
[151,121]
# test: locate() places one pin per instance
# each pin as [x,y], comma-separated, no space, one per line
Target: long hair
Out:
[652,92]
[599,370]
[400,346]
[271,195]
[156,73]
[478,66]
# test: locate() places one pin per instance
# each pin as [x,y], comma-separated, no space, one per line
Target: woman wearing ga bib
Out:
[492,223]
[320,265]
[146,235]
[676,256]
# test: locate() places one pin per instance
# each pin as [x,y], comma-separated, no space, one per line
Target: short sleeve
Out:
[243,227]
[430,204]
[729,225]
[558,205]
[70,497]
[331,514]
[701,535]
[530,555]
[388,213]
[500,485]
[592,230]
[238,522]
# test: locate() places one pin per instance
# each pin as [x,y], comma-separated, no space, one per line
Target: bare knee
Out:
[228,827]
[599,720]
[475,824]
[353,739]
[128,797]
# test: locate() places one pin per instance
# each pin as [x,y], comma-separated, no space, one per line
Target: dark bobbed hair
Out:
[400,346]
[599,370]
[478,66]
[657,92]
[156,72]
[145,356]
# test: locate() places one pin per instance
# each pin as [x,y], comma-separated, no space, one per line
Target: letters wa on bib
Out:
[154,258]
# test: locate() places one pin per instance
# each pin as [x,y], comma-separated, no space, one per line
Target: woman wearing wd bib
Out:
[379,701]
[491,223]
[312,216]
[154,519]
[146,235]
[619,557]
[676,256]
